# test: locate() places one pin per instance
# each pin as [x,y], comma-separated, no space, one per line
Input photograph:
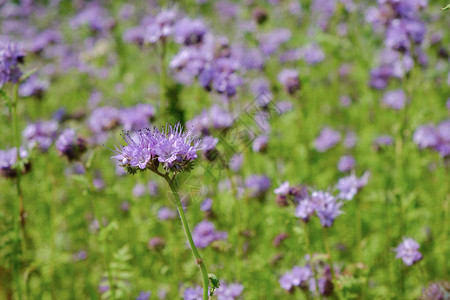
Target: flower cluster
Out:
[408,251]
[434,137]
[205,233]
[41,134]
[33,87]
[350,185]
[11,55]
[297,277]
[257,185]
[327,139]
[147,148]
[8,161]
[70,145]
[404,33]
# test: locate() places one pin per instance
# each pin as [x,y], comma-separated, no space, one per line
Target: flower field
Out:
[274,149]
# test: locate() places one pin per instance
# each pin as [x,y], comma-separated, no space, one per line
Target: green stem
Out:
[19,207]
[310,253]
[198,258]
[162,79]
[330,261]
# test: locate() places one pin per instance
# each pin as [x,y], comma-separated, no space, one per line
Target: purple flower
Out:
[230,291]
[426,136]
[190,31]
[205,233]
[8,161]
[350,139]
[11,55]
[236,162]
[283,189]
[408,251]
[139,190]
[209,144]
[174,149]
[313,54]
[305,208]
[297,277]
[395,99]
[349,186]
[327,207]
[40,134]
[103,119]
[206,205]
[346,163]
[160,27]
[136,117]
[165,213]
[143,296]
[43,39]
[70,145]
[328,138]
[260,143]
[290,80]
[435,291]
[270,42]
[193,293]
[257,185]
[383,140]
[33,87]
[95,16]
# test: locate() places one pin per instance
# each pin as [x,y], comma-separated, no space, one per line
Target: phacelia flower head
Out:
[230,291]
[195,293]
[147,148]
[346,163]
[350,185]
[327,207]
[290,80]
[205,233]
[297,277]
[327,139]
[160,27]
[41,134]
[8,161]
[395,99]
[70,145]
[408,251]
[33,87]
[143,296]
[11,55]
[257,185]
[189,31]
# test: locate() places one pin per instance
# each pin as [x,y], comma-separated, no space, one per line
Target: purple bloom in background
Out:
[346,163]
[189,31]
[193,293]
[290,80]
[260,143]
[297,277]
[328,138]
[40,134]
[33,87]
[327,207]
[283,189]
[305,208]
[165,213]
[11,55]
[209,144]
[70,145]
[143,296]
[395,99]
[349,186]
[152,188]
[260,88]
[43,39]
[95,16]
[257,185]
[103,119]
[160,27]
[426,136]
[206,205]
[230,291]
[174,149]
[139,190]
[236,162]
[205,233]
[136,117]
[436,291]
[383,140]
[252,59]
[350,139]
[408,251]
[270,42]
[8,160]
[313,54]
[291,55]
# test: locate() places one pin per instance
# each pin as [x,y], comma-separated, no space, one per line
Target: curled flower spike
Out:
[174,149]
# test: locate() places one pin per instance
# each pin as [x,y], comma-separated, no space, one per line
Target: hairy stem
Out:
[19,225]
[310,253]
[198,258]
[330,261]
